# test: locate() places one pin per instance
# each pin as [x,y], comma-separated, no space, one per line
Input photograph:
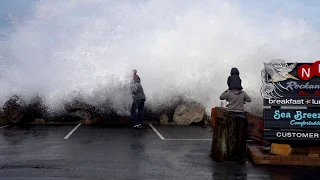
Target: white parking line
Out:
[154,129]
[4,126]
[189,139]
[193,139]
[162,138]
[73,130]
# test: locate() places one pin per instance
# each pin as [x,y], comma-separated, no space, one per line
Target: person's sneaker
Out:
[139,126]
[136,126]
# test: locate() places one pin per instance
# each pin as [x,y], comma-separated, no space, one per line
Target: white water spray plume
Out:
[80,48]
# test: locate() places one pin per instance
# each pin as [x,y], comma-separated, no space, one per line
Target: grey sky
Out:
[266,9]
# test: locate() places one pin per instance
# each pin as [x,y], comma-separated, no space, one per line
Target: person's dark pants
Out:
[239,114]
[137,105]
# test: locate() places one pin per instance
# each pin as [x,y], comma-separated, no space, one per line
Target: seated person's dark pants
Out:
[137,105]
[239,114]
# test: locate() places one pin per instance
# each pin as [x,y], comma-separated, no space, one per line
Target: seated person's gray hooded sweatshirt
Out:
[236,99]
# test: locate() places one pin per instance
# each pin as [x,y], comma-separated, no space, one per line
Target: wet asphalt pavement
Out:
[102,152]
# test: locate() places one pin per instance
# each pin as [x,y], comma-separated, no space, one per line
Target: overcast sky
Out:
[267,9]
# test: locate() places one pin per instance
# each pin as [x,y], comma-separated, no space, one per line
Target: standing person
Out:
[238,130]
[138,98]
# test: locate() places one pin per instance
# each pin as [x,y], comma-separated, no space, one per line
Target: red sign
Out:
[306,71]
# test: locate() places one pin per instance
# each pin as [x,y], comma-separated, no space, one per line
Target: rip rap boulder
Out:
[187,114]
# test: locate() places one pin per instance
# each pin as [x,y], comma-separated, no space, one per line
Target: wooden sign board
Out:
[289,135]
[291,119]
[292,92]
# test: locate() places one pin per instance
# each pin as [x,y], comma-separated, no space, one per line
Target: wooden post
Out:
[213,116]
[229,137]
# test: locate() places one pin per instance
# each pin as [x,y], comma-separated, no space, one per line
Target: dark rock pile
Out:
[179,112]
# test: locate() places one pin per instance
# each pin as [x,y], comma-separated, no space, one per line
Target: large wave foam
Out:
[79,48]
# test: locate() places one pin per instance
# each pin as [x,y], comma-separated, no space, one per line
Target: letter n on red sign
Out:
[305,72]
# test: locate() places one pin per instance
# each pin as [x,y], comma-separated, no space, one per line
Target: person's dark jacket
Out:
[137,91]
[136,78]
[234,81]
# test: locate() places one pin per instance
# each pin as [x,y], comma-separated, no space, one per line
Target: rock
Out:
[14,110]
[78,111]
[82,114]
[3,121]
[78,105]
[97,120]
[172,123]
[77,116]
[39,121]
[87,121]
[189,113]
[281,149]
[36,108]
[164,119]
